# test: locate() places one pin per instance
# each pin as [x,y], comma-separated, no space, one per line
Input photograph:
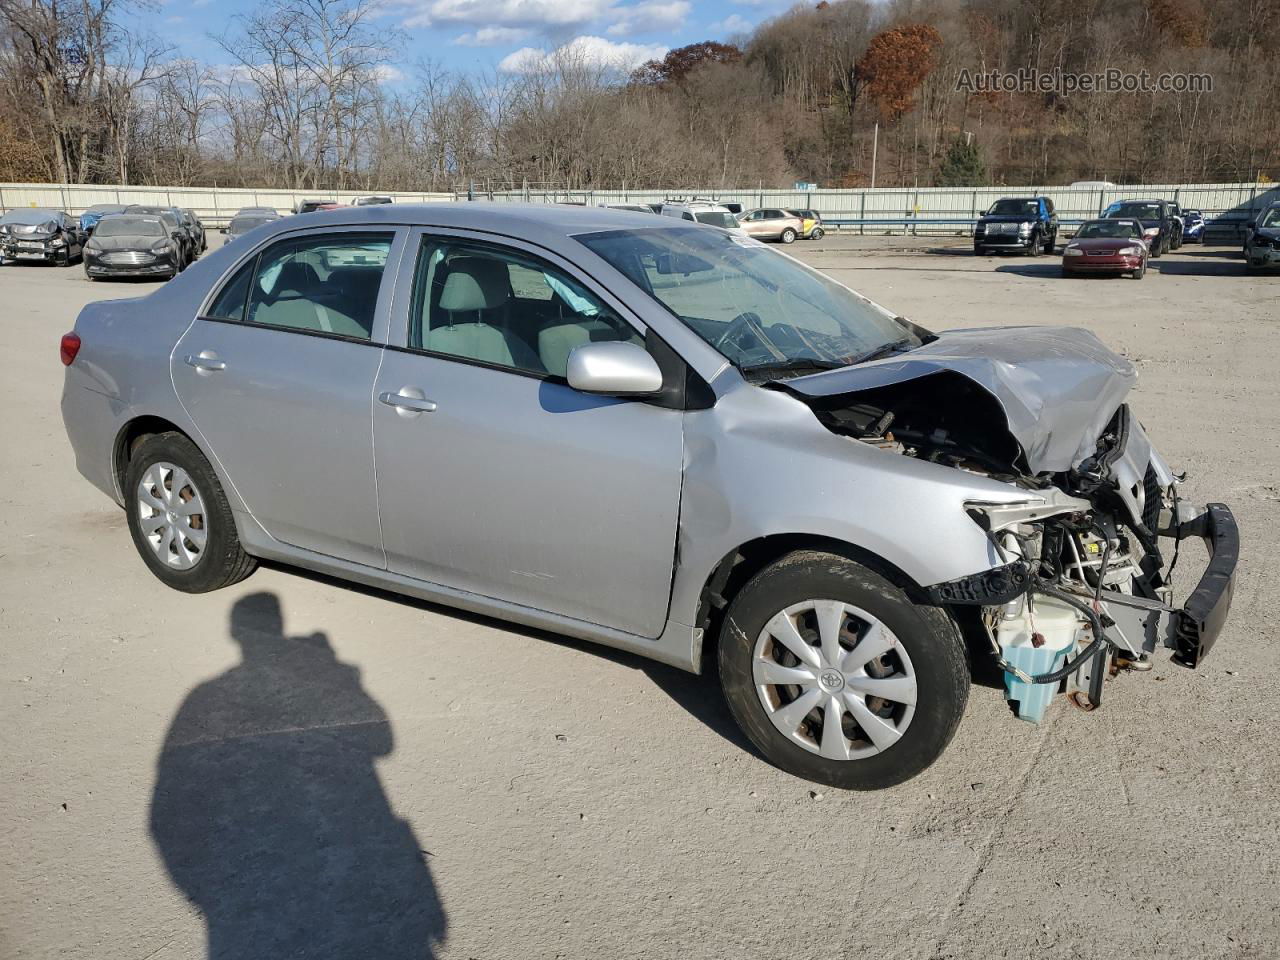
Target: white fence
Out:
[891,209]
[213,204]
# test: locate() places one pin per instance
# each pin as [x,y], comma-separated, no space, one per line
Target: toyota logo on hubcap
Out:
[831,680]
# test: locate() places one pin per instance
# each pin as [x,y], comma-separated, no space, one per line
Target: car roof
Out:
[514,219]
[29,216]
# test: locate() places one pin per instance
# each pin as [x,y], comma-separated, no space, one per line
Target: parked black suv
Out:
[1158,223]
[1017,223]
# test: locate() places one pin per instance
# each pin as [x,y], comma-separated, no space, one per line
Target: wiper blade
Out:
[794,365]
[884,350]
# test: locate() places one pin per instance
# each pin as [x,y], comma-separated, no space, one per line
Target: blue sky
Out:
[505,35]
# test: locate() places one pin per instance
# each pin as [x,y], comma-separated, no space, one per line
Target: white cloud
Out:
[503,13]
[386,73]
[587,51]
[733,24]
[492,37]
[649,16]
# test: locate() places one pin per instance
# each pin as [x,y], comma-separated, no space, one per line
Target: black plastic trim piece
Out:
[989,588]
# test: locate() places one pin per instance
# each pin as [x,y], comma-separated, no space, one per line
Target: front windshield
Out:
[1107,228]
[1014,208]
[1271,219]
[762,310]
[125,226]
[1137,211]
[716,218]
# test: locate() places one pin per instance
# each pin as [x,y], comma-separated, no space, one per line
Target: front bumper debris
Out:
[1141,625]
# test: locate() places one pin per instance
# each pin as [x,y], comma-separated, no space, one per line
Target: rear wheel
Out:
[179,517]
[837,676]
[788,236]
[817,233]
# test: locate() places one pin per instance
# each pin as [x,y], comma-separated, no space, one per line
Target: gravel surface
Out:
[377,778]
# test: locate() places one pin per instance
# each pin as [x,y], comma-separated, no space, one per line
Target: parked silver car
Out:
[662,437]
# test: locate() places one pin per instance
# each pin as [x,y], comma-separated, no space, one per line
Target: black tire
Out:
[979,251]
[1036,247]
[1140,272]
[817,233]
[787,236]
[222,561]
[926,633]
[1067,274]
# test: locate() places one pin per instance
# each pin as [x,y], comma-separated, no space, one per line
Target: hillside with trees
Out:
[301,100]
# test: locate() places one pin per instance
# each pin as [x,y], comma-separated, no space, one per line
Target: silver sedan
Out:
[658,436]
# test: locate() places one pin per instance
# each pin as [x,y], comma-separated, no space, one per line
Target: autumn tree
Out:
[896,63]
[676,66]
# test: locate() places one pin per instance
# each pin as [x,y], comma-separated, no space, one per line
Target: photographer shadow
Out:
[269,813]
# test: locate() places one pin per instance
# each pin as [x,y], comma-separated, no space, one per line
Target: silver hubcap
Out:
[171,515]
[834,679]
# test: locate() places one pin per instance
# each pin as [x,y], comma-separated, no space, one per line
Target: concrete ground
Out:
[378,778]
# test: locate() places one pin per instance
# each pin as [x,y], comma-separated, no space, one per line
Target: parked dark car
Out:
[188,239]
[135,245]
[1027,224]
[246,220]
[1179,225]
[1262,250]
[1106,246]
[1155,216]
[191,221]
[1229,228]
[40,236]
[89,219]
[1192,226]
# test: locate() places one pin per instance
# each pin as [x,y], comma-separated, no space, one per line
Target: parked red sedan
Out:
[1107,246]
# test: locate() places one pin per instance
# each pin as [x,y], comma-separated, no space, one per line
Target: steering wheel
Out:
[748,322]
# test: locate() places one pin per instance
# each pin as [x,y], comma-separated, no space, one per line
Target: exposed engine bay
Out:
[1083,589]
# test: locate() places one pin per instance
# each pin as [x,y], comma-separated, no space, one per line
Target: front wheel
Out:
[1036,247]
[179,517]
[788,236]
[838,676]
[1140,272]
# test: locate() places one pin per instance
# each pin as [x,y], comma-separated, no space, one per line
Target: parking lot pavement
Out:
[491,792]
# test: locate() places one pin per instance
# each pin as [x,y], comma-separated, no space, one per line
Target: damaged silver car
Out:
[662,437]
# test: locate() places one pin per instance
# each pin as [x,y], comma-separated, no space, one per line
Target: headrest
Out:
[297,275]
[475,283]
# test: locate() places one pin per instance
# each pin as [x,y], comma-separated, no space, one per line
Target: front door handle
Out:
[206,361]
[406,403]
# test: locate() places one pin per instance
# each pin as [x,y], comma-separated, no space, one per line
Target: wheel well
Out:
[133,433]
[740,565]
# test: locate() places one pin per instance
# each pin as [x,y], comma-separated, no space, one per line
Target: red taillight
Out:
[69,348]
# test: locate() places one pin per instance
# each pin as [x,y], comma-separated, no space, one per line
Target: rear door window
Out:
[326,284]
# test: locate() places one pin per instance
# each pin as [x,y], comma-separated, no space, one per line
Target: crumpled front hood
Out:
[1058,386]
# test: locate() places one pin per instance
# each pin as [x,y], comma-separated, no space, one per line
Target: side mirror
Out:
[613,368]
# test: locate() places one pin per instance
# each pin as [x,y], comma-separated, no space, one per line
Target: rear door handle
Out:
[407,404]
[205,362]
